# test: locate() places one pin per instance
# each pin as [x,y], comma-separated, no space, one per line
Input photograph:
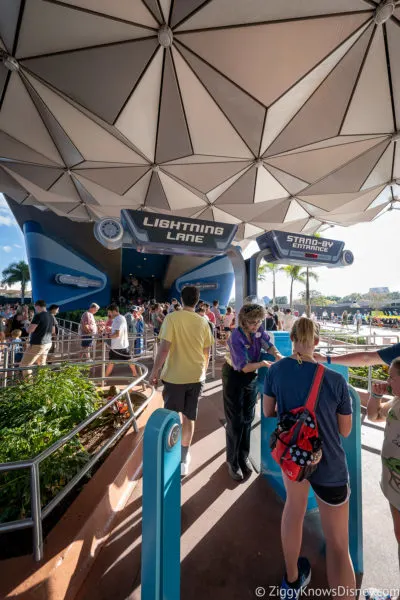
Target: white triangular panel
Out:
[39,193]
[312,226]
[280,113]
[138,192]
[165,7]
[371,108]
[93,142]
[353,218]
[267,187]
[214,194]
[126,10]
[383,198]
[177,195]
[210,131]
[393,42]
[292,184]
[138,120]
[295,212]
[223,217]
[361,204]
[20,119]
[65,187]
[201,158]
[100,194]
[382,173]
[252,230]
[340,140]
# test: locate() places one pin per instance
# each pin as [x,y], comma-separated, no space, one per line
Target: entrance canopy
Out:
[265,114]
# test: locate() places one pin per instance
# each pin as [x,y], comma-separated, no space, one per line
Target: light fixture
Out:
[165,36]
[395,137]
[258,163]
[155,168]
[384,11]
[9,62]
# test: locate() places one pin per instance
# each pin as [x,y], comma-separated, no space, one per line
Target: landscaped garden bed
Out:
[34,414]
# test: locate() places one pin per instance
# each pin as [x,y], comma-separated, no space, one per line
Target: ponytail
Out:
[304,331]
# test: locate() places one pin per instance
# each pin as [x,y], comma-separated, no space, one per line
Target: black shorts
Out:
[120,354]
[334,496]
[182,398]
[86,341]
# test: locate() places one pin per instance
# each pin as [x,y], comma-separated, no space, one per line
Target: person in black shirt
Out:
[54,310]
[270,321]
[40,330]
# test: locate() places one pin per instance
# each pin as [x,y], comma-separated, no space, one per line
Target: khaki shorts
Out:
[35,354]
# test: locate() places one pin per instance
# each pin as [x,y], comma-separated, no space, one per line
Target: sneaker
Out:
[290,592]
[185,465]
[246,468]
[236,474]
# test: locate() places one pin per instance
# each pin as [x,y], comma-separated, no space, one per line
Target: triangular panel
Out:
[8,22]
[361,204]
[125,10]
[179,196]
[252,230]
[48,27]
[65,187]
[154,8]
[44,177]
[314,164]
[249,212]
[396,169]
[393,40]
[116,179]
[292,184]
[93,142]
[242,191]
[205,177]
[173,140]
[181,9]
[9,186]
[13,149]
[246,114]
[352,176]
[223,217]
[267,47]
[328,202]
[321,117]
[156,197]
[84,75]
[138,120]
[295,212]
[284,109]
[220,189]
[370,110]
[137,193]
[237,12]
[383,170]
[267,187]
[19,118]
[207,215]
[63,208]
[276,214]
[96,192]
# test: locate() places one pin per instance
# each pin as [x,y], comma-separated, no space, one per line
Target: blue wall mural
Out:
[60,275]
[215,279]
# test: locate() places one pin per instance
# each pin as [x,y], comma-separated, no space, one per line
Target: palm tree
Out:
[294,273]
[17,273]
[263,272]
[309,274]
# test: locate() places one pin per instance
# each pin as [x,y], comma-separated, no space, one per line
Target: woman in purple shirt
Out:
[239,381]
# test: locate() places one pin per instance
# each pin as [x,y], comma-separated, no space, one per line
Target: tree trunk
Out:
[291,293]
[273,287]
[308,305]
[22,290]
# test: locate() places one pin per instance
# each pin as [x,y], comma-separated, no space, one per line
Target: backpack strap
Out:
[313,395]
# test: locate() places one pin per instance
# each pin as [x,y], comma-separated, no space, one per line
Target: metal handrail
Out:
[39,513]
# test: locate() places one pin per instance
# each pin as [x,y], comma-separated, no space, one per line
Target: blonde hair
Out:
[251,312]
[16,333]
[304,331]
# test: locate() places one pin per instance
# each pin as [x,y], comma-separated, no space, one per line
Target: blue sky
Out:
[375,245]
[12,247]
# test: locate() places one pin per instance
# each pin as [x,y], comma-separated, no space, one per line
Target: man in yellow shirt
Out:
[184,351]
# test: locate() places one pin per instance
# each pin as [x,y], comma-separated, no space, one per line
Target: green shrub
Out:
[33,415]
[378,372]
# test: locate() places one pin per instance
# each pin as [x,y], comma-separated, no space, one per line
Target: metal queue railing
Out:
[38,513]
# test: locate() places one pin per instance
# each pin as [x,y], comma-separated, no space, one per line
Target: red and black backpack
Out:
[295,443]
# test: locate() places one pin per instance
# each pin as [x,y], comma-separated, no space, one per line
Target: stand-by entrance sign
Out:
[166,234]
[299,249]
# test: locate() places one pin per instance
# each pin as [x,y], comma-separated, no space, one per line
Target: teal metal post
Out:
[161,520]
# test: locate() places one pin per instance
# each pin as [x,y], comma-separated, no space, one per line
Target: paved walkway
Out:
[230,543]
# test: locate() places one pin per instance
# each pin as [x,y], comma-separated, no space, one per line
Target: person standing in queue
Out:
[239,381]
[287,386]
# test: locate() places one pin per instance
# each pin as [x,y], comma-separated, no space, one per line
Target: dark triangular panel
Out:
[101,79]
[246,114]
[173,140]
[322,115]
[3,78]
[13,149]
[9,13]
[242,191]
[116,179]
[154,8]
[156,197]
[351,177]
[44,177]
[183,8]
[65,207]
[85,196]
[207,214]
[68,151]
[10,187]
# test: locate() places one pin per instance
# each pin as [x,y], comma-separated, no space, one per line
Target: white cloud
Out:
[3,201]
[7,220]
[6,248]
[17,246]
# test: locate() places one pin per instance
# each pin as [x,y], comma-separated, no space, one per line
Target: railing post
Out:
[370,379]
[161,507]
[103,361]
[5,360]
[36,509]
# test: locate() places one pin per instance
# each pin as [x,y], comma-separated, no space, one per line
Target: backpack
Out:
[295,443]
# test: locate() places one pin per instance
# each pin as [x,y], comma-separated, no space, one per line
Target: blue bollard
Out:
[161,510]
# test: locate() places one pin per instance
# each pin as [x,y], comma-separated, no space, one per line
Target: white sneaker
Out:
[185,465]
